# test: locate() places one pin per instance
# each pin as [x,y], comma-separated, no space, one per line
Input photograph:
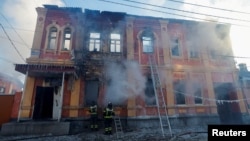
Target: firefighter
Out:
[93,116]
[108,114]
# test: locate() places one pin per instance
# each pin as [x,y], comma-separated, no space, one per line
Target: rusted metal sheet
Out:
[6,104]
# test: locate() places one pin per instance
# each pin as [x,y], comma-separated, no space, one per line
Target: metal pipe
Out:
[61,100]
[21,102]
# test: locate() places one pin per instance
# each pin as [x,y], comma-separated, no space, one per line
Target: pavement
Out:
[130,135]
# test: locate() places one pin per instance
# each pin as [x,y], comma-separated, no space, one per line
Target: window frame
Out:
[178,46]
[180,93]
[2,90]
[201,93]
[150,93]
[195,52]
[67,30]
[53,35]
[116,42]
[149,47]
[94,41]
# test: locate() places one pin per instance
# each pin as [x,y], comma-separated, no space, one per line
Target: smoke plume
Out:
[125,81]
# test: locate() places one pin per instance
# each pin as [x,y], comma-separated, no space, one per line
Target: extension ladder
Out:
[118,126]
[160,99]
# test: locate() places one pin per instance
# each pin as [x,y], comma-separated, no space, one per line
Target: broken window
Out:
[197,88]
[94,42]
[147,44]
[179,92]
[115,42]
[193,53]
[149,93]
[175,47]
[67,39]
[52,38]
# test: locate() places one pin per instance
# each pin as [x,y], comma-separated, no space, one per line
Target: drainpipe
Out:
[21,102]
[61,104]
[242,86]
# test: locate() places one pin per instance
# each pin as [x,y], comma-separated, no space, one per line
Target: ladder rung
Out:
[158,92]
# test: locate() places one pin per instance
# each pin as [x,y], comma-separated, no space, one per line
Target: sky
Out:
[18,19]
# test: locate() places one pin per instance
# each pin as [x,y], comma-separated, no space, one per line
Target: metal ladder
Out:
[118,126]
[160,99]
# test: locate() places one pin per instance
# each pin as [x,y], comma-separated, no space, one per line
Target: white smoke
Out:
[126,80]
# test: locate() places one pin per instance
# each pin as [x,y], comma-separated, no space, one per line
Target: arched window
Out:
[66,39]
[147,41]
[52,38]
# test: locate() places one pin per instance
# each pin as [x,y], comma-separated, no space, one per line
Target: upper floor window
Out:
[67,39]
[52,38]
[94,42]
[2,90]
[147,44]
[193,53]
[175,47]
[115,42]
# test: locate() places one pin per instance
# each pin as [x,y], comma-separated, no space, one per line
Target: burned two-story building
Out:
[145,66]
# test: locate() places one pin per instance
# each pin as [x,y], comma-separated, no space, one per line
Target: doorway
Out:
[43,106]
[91,93]
[229,112]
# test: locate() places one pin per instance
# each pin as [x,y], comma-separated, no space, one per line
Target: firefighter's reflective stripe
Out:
[108,113]
[93,110]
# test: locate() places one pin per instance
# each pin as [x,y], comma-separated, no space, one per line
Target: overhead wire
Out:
[186,11]
[209,99]
[180,15]
[7,60]
[212,99]
[20,55]
[174,14]
[26,45]
[229,10]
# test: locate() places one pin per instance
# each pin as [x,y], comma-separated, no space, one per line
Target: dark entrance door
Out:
[91,92]
[228,110]
[43,107]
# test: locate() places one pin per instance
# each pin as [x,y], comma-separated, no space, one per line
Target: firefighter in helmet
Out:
[93,116]
[108,114]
